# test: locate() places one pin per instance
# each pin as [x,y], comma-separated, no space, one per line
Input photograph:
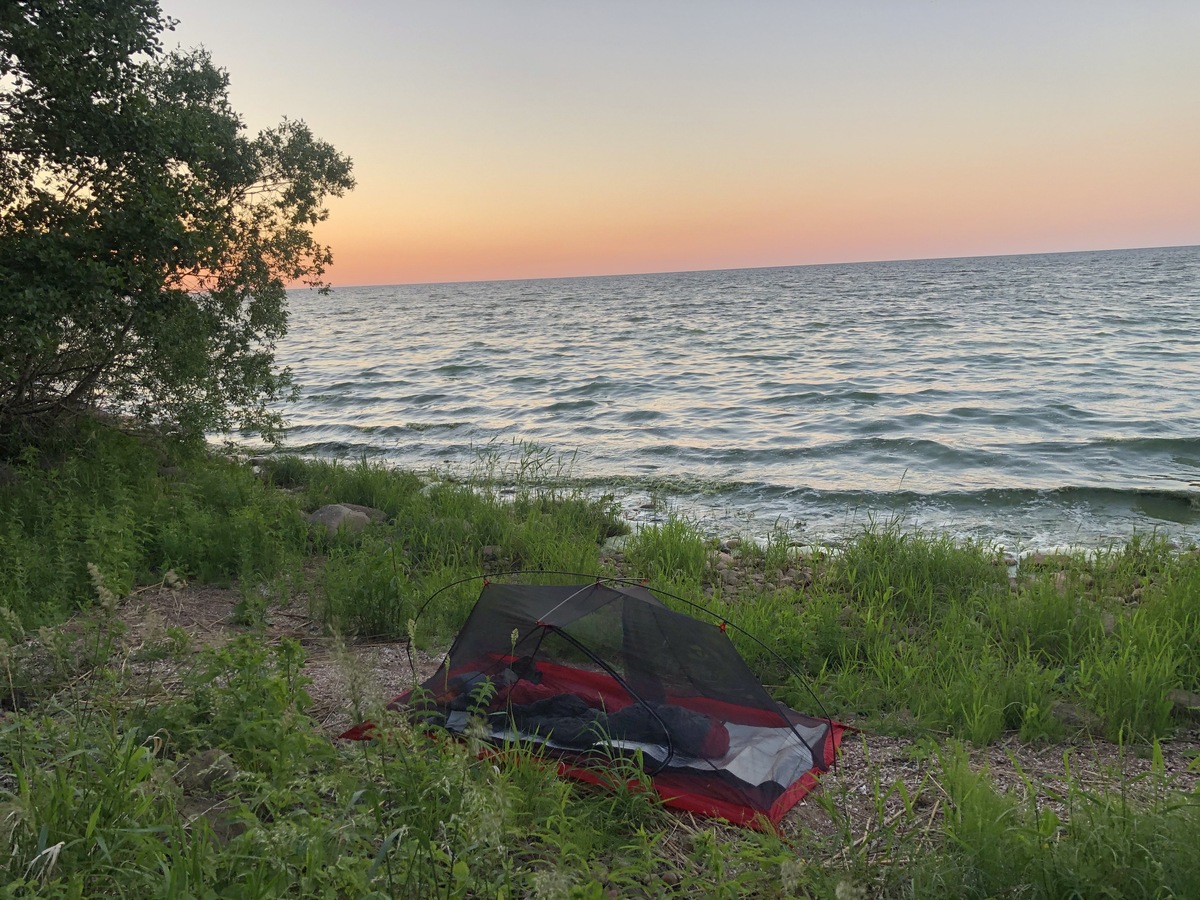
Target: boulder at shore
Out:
[351,516]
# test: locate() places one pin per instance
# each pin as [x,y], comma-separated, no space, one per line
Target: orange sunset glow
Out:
[542,139]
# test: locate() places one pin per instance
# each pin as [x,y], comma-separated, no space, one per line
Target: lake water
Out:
[1029,401]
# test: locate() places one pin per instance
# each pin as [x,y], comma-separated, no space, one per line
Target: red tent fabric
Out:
[587,671]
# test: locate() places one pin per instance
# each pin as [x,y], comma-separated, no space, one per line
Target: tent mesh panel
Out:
[589,670]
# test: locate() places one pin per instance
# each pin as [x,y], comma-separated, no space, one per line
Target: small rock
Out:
[205,769]
[730,544]
[226,822]
[226,826]
[1109,622]
[729,576]
[1074,717]
[1185,704]
[615,543]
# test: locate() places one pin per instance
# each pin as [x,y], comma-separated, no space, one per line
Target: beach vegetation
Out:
[140,755]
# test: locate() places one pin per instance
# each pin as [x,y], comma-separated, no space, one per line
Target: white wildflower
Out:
[791,873]
[552,884]
[107,598]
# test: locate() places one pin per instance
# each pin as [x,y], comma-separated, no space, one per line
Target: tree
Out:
[145,239]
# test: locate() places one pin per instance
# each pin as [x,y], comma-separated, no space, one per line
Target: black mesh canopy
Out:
[589,671]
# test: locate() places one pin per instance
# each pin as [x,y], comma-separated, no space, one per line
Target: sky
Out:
[549,138]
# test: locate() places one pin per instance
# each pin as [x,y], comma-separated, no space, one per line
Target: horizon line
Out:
[856,262]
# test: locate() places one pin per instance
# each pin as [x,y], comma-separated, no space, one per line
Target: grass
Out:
[111,783]
[138,512]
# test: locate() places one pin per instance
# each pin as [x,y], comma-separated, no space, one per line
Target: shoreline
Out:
[1062,697]
[1019,522]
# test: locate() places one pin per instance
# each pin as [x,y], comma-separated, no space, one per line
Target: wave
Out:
[1163,503]
[568,406]
[356,434]
[942,450]
[1068,495]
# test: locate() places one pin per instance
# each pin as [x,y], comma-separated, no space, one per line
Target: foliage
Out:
[226,789]
[674,552]
[904,632]
[145,239]
[436,535]
[138,509]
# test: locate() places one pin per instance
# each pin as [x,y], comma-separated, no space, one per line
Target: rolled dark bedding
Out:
[568,720]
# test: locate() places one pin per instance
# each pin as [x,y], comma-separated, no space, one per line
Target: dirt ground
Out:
[346,675]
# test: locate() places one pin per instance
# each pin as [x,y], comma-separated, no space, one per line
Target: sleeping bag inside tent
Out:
[589,671]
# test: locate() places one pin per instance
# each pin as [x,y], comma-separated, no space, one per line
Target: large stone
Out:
[337,516]
[375,515]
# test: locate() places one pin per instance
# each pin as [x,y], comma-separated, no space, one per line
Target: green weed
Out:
[674,553]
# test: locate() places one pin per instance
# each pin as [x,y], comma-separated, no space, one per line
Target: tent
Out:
[589,671]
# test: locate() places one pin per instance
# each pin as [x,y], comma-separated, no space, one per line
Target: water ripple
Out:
[1051,392]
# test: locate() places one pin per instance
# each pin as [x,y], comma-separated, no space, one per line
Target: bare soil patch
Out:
[343,673]
[1037,772]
